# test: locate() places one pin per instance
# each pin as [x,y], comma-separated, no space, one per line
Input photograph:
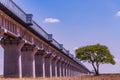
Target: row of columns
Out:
[21,60]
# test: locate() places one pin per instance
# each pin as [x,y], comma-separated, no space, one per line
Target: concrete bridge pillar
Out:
[78,74]
[67,72]
[12,56]
[73,68]
[71,71]
[57,66]
[74,71]
[66,66]
[40,63]
[47,67]
[63,68]
[43,63]
[28,61]
[53,67]
[66,69]
[48,64]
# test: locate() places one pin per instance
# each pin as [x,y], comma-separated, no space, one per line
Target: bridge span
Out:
[29,51]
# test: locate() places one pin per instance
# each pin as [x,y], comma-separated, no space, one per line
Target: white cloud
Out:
[75,48]
[51,20]
[118,14]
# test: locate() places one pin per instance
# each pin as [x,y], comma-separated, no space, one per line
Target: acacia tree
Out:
[96,55]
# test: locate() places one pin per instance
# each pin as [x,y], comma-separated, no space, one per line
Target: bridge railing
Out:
[9,4]
[65,51]
[44,34]
[39,30]
[56,44]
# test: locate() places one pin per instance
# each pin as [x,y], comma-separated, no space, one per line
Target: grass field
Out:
[101,77]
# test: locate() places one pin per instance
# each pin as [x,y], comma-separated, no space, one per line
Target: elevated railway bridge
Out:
[29,51]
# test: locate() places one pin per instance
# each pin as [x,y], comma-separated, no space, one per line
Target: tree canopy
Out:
[96,55]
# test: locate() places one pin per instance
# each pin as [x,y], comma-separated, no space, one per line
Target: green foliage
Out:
[95,54]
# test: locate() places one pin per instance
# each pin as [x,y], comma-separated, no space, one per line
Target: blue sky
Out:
[77,23]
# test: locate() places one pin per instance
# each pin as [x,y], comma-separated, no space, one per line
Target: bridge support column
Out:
[62,68]
[48,64]
[56,69]
[68,75]
[12,56]
[59,68]
[53,67]
[66,66]
[39,63]
[47,67]
[43,64]
[68,70]
[28,62]
[73,72]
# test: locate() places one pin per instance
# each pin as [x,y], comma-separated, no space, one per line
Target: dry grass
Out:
[101,77]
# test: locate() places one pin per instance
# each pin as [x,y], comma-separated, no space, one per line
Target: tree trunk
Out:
[97,65]
[96,68]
